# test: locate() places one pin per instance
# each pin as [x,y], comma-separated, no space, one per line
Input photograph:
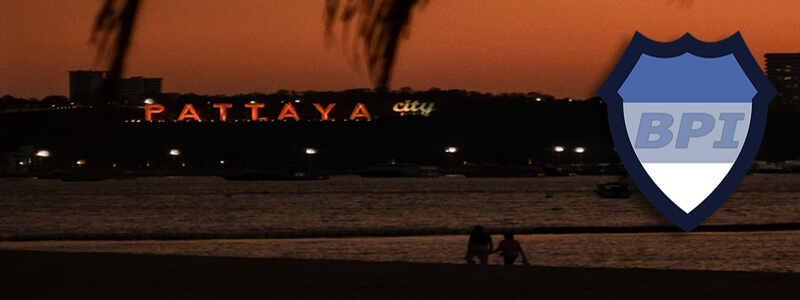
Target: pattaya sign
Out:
[288,111]
[259,111]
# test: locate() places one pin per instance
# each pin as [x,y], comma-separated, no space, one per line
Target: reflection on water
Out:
[213,205]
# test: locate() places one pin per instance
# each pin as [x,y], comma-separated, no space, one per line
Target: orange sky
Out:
[565,48]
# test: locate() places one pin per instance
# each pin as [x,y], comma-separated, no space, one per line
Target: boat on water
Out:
[613,190]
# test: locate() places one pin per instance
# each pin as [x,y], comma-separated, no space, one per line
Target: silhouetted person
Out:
[510,249]
[480,245]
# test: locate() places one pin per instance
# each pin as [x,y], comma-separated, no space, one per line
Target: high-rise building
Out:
[783,70]
[86,87]
[133,90]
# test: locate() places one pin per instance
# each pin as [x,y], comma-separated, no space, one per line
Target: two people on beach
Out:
[480,246]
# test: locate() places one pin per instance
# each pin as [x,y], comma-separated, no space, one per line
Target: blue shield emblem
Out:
[687,118]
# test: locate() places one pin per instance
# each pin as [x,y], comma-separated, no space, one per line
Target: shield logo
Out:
[687,118]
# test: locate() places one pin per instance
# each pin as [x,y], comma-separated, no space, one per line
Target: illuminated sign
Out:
[413,107]
[189,112]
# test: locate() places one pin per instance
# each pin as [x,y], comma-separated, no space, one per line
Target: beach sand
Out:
[49,275]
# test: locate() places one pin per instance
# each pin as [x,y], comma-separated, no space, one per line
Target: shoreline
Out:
[50,275]
[749,252]
[179,236]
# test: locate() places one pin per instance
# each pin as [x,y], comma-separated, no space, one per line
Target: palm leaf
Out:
[380,27]
[112,33]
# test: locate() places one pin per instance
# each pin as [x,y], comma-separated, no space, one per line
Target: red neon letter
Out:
[324,112]
[151,109]
[288,112]
[223,110]
[254,110]
[360,112]
[189,112]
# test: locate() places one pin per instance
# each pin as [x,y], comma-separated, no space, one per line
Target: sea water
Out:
[213,205]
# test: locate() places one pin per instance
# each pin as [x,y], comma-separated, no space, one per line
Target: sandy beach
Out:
[50,275]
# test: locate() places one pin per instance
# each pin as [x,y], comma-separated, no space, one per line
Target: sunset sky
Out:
[564,48]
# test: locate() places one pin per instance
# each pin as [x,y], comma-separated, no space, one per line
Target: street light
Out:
[450,151]
[174,153]
[311,152]
[41,155]
[580,151]
[149,101]
[558,150]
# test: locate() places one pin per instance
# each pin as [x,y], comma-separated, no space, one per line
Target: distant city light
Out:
[297,101]
[451,150]
[580,149]
[174,152]
[558,149]
[311,151]
[149,101]
[221,162]
[43,153]
[80,162]
[538,99]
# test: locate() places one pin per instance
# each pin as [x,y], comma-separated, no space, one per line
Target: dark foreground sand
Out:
[42,275]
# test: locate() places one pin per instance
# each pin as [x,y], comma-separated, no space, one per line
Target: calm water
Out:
[213,205]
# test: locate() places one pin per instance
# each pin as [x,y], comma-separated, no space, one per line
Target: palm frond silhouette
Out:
[380,26]
[112,33]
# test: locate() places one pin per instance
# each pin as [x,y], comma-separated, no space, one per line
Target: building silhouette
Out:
[783,70]
[86,87]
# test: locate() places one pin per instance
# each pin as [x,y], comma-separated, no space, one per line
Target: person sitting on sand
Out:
[510,249]
[480,245]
